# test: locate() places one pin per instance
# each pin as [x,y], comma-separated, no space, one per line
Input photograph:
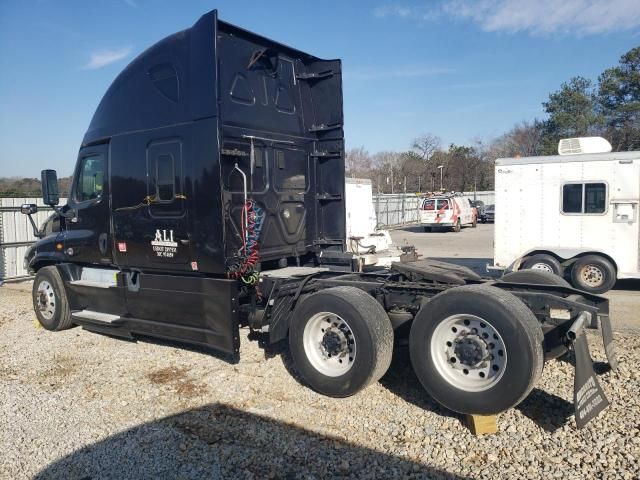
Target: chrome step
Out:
[96,316]
[91,283]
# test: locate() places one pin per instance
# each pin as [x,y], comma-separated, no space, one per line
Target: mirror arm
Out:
[36,233]
[70,214]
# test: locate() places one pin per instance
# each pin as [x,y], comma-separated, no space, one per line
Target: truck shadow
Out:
[402,381]
[546,410]
[218,441]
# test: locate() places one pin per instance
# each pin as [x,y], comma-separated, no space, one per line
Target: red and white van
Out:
[447,211]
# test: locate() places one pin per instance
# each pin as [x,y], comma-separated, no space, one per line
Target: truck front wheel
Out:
[476,349]
[50,300]
[341,340]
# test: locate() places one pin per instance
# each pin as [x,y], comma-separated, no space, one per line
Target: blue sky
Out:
[460,69]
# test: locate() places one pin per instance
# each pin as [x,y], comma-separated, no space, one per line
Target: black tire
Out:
[50,300]
[518,329]
[457,227]
[541,260]
[474,224]
[538,277]
[371,330]
[427,229]
[593,274]
[483,220]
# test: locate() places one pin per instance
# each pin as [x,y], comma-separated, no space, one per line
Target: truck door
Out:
[149,208]
[88,235]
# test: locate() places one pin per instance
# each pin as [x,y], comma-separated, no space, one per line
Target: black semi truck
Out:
[209,194]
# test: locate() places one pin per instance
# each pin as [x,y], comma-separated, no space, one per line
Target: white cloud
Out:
[413,12]
[102,58]
[538,17]
[407,71]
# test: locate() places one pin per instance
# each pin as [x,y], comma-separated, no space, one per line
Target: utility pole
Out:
[440,167]
[378,204]
[404,197]
[391,180]
[419,183]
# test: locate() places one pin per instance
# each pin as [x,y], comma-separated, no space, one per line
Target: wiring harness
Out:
[252,219]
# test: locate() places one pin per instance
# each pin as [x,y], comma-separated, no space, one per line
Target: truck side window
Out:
[165,187]
[165,178]
[584,198]
[90,179]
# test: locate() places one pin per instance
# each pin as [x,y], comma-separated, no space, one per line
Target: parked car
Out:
[489,214]
[478,204]
[447,211]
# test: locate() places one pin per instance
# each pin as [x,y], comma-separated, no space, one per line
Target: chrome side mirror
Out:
[28,208]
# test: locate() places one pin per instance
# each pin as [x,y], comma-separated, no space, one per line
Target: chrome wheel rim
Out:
[468,352]
[46,300]
[545,267]
[329,344]
[592,275]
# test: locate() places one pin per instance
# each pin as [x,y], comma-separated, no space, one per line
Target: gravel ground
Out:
[77,405]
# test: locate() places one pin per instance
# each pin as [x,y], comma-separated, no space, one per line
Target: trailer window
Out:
[595,197]
[584,198]
[90,179]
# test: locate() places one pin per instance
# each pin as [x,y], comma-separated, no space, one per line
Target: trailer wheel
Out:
[476,349]
[544,262]
[341,340]
[539,277]
[457,227]
[593,274]
[50,300]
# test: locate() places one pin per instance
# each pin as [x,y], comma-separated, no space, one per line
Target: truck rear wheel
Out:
[457,227]
[50,300]
[341,341]
[476,349]
[593,274]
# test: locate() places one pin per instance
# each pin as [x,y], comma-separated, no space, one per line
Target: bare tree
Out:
[387,165]
[426,145]
[525,139]
[358,162]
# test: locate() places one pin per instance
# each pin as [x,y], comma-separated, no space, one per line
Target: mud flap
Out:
[607,339]
[588,397]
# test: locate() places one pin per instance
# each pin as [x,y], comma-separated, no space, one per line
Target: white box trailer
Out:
[574,215]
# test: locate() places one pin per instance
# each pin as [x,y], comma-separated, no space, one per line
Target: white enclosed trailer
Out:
[575,215]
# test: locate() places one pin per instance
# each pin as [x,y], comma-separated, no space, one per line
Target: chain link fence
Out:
[397,210]
[16,234]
